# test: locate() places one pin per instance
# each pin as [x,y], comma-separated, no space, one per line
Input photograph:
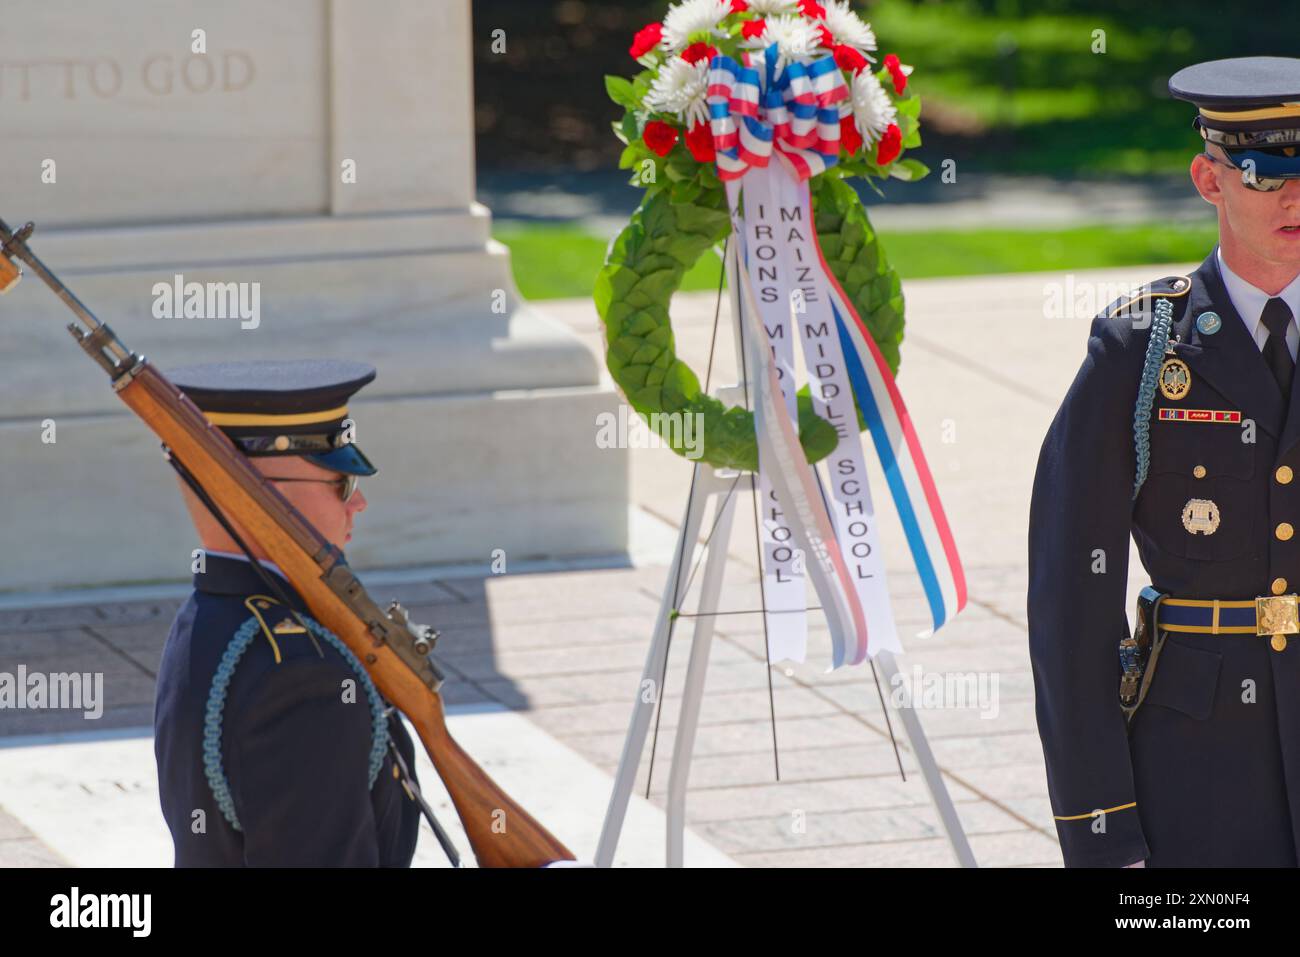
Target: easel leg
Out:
[648,691]
[696,669]
[929,767]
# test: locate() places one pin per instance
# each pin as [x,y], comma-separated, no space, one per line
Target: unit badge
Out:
[1175,379]
[1200,515]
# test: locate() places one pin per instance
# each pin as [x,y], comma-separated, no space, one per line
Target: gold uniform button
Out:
[1279,586]
[1199,471]
[1278,642]
[1284,475]
[1284,531]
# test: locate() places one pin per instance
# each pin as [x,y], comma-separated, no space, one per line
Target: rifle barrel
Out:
[15,244]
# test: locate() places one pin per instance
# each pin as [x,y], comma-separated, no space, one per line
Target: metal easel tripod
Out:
[718,486]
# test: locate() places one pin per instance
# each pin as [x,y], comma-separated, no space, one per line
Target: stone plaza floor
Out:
[562,645]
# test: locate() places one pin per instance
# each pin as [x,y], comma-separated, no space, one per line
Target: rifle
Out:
[394,650]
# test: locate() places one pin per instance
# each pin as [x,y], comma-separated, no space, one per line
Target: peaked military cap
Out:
[282,407]
[1248,106]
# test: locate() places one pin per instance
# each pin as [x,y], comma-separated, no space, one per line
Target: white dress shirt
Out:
[1249,302]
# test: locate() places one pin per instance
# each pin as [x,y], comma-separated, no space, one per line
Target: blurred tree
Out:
[1012,85]
[541,103]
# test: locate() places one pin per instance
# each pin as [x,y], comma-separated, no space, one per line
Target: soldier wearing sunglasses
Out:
[273,747]
[1178,743]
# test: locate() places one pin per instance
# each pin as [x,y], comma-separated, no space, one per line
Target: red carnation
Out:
[828,38]
[847,58]
[699,51]
[753,29]
[699,140]
[896,71]
[646,39]
[850,138]
[739,6]
[811,8]
[660,136]
[891,144]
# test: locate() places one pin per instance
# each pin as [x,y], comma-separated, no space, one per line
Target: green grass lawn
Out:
[552,262]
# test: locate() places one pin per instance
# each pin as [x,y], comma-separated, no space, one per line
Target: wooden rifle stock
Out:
[394,651]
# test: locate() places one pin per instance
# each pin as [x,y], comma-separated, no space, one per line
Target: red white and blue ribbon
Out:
[788,114]
[753,110]
[929,537]
[848,498]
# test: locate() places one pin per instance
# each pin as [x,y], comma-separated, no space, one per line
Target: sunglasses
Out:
[1260,184]
[346,485]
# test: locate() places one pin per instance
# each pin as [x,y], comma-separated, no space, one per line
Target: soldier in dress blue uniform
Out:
[1182,429]
[273,747]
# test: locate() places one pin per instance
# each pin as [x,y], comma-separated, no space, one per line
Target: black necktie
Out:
[1277,318]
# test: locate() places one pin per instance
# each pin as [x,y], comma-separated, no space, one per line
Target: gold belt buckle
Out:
[1277,615]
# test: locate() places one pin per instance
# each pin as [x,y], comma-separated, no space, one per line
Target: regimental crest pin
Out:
[1175,379]
[1200,516]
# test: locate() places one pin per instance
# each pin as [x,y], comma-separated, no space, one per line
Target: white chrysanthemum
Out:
[691,16]
[848,27]
[796,39]
[873,110]
[681,88]
[768,7]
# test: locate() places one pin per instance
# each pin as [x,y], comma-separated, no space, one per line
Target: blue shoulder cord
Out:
[1160,325]
[212,768]
[239,644]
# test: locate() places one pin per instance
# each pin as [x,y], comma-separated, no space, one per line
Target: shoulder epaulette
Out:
[1169,287]
[258,604]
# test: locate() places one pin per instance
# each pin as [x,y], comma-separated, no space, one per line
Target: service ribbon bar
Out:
[1200,415]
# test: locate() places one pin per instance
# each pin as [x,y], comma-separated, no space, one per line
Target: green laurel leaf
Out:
[644,266]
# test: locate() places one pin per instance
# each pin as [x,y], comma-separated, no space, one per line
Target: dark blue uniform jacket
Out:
[295,752]
[1209,772]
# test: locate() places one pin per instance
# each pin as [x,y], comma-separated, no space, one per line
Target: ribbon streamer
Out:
[795,484]
[844,470]
[929,537]
[785,591]
[796,116]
